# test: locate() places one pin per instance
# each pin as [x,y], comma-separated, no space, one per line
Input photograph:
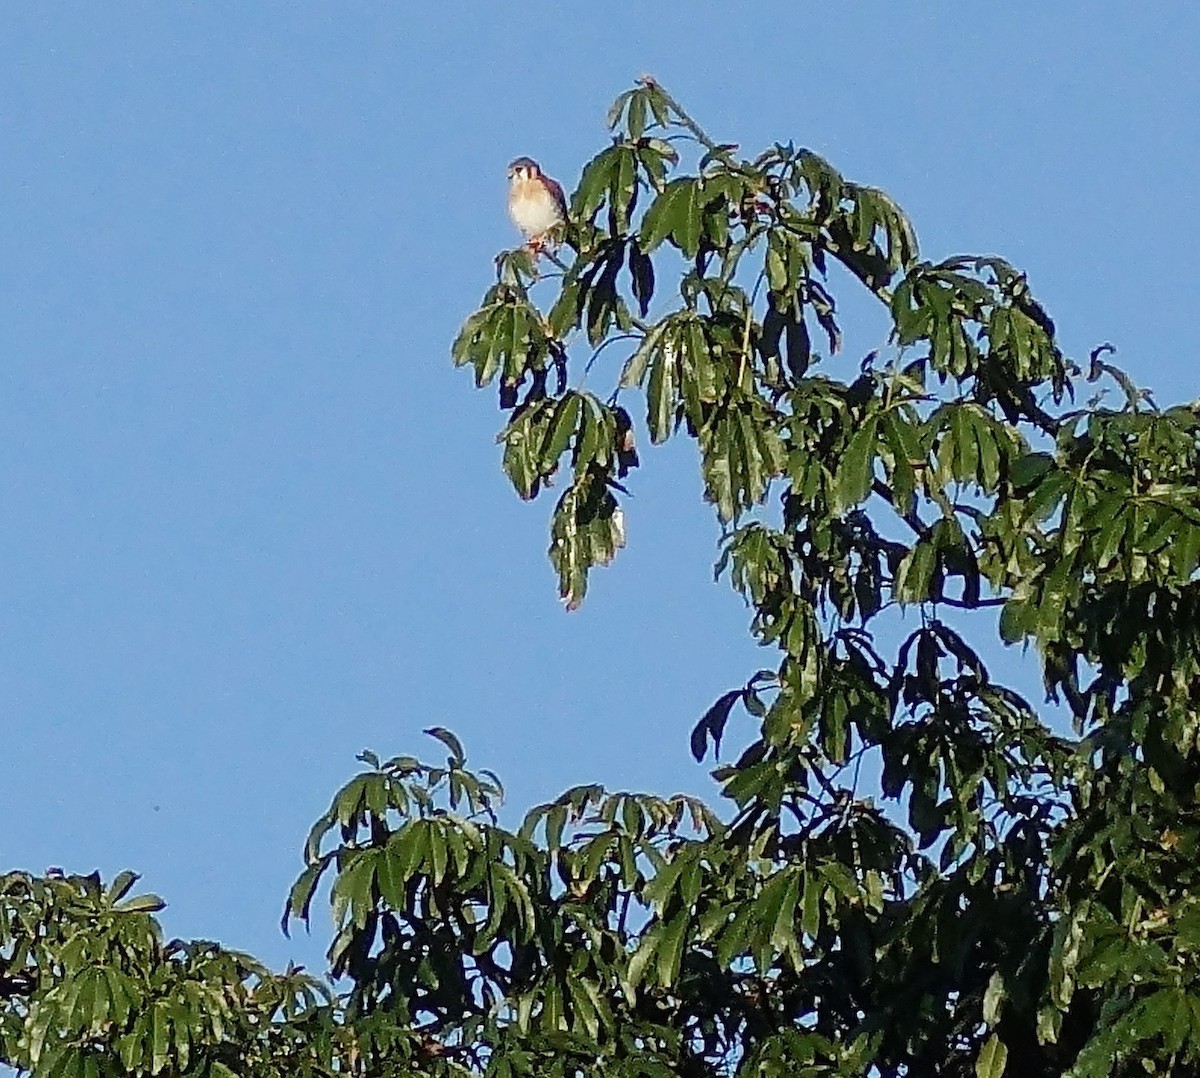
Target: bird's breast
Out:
[533,208]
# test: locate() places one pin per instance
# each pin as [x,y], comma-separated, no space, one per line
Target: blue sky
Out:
[252,521]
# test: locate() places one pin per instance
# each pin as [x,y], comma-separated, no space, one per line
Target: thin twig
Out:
[604,345]
[696,131]
[908,516]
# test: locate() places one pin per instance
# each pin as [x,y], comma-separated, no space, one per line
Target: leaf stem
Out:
[685,121]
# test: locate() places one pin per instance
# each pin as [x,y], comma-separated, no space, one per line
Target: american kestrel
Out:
[536,203]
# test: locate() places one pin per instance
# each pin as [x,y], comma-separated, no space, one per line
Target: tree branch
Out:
[961,605]
[685,121]
[909,516]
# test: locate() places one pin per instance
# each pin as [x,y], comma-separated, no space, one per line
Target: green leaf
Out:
[783,932]
[451,742]
[583,1008]
[410,847]
[1049,1024]
[553,1009]
[490,359]
[993,998]
[675,212]
[148,903]
[662,396]
[779,278]
[993,1058]
[439,857]
[587,530]
[624,187]
[670,948]
[641,957]
[636,117]
[391,877]
[915,573]
[810,921]
[594,184]
[687,219]
[160,1037]
[122,884]
[657,157]
[635,368]
[617,109]
[561,428]
[468,337]
[856,472]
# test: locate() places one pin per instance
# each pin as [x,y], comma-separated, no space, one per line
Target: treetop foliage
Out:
[916,872]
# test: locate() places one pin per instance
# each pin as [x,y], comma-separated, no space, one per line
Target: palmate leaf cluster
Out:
[917,870]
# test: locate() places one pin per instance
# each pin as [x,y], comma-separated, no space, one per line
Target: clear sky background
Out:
[252,521]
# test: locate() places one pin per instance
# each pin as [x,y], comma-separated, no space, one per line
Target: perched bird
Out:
[536,203]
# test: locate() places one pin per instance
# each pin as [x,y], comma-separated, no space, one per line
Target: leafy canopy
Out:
[917,871]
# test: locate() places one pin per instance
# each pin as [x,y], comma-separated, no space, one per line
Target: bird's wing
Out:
[556,192]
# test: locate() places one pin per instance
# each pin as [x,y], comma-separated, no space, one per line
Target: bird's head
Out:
[523,168]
